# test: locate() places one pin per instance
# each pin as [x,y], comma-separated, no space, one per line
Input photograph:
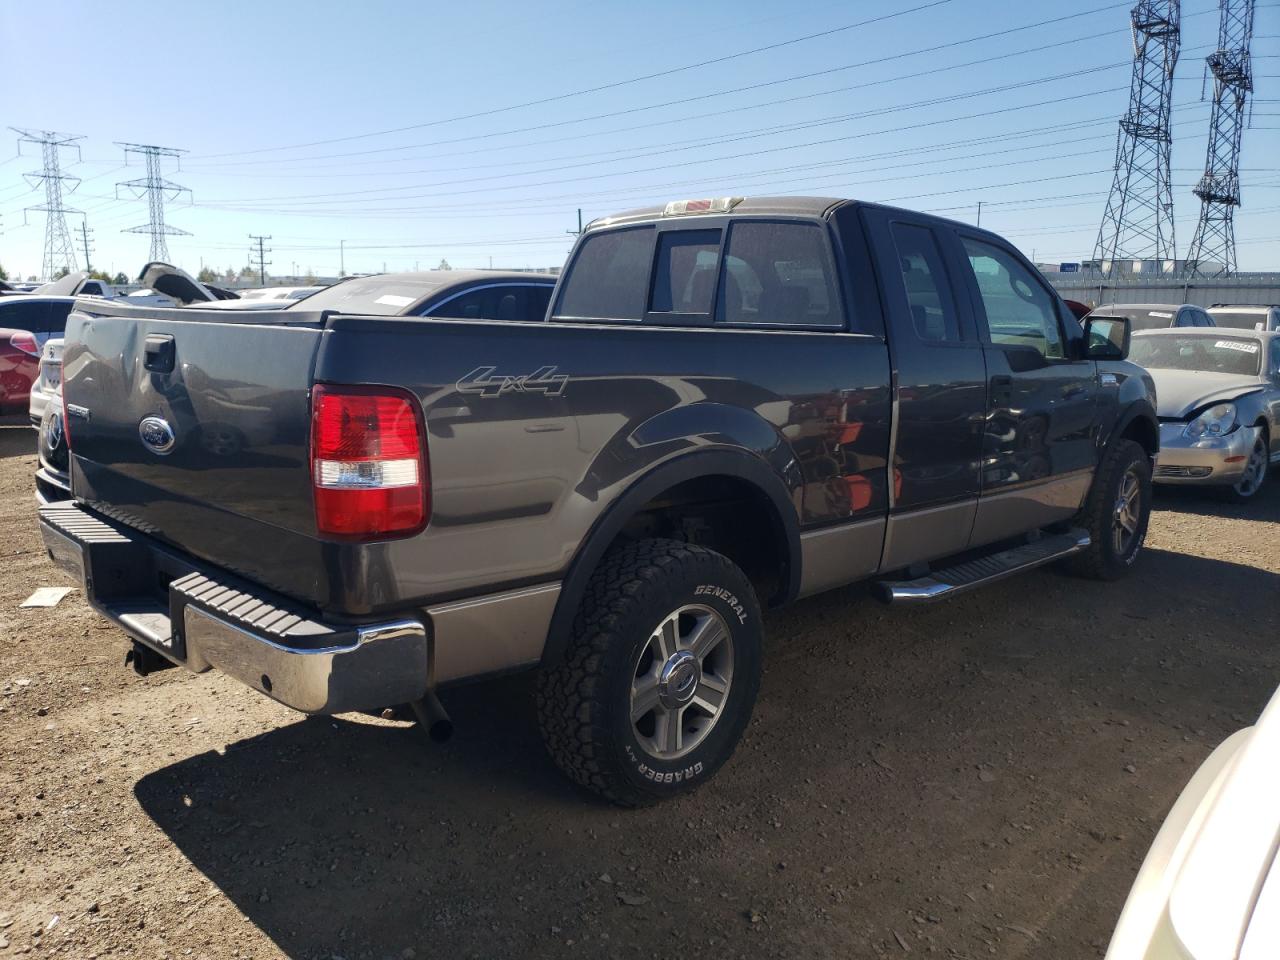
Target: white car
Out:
[1209,888]
[47,382]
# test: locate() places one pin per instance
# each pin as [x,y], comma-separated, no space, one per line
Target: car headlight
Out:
[1218,420]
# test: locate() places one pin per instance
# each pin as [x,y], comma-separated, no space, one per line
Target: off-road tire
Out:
[583,703]
[1101,561]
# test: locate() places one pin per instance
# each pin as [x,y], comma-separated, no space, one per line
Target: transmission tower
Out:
[157,190]
[1138,222]
[261,255]
[59,246]
[1214,243]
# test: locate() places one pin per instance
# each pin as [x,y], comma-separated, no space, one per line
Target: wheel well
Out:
[727,514]
[1143,432]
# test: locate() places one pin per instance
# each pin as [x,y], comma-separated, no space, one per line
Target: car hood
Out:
[1180,393]
[63,286]
[176,283]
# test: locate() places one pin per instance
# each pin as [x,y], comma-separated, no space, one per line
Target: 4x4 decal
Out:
[543,380]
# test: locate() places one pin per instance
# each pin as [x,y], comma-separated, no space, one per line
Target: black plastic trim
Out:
[615,518]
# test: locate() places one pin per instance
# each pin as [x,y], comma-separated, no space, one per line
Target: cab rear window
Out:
[609,277]
[684,279]
[777,274]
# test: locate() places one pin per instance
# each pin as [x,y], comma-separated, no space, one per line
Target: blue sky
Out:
[478,169]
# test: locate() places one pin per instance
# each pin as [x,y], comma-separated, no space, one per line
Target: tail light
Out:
[26,342]
[368,462]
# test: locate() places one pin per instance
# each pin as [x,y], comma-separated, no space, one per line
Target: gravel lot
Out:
[977,779]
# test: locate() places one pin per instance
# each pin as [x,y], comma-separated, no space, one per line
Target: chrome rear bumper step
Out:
[951,581]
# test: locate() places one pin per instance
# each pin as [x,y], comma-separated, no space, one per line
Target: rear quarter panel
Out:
[523,465]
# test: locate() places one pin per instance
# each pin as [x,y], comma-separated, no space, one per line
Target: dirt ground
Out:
[978,779]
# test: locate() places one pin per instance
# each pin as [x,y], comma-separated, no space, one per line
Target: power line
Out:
[736,179]
[612,85]
[157,190]
[756,105]
[876,61]
[308,199]
[59,248]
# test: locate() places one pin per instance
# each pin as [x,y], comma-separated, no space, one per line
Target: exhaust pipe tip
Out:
[433,718]
[441,731]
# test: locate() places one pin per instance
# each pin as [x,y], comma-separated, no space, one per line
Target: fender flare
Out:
[611,522]
[1138,409]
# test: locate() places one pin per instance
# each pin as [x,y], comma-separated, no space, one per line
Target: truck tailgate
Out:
[193,426]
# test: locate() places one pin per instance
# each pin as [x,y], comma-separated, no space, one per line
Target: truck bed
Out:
[530,426]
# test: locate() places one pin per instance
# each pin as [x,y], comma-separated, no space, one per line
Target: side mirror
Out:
[1107,338]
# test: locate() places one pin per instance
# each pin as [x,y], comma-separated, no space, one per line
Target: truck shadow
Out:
[353,838]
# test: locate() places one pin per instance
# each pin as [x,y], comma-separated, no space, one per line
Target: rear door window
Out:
[684,274]
[609,277]
[928,288]
[778,274]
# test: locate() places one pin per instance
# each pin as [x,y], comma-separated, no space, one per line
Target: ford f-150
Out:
[730,404]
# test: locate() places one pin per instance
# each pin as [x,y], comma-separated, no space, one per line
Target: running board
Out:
[951,581]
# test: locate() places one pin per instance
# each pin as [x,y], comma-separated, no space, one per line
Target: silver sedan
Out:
[1218,399]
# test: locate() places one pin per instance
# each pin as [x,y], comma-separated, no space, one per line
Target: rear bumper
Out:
[1217,460]
[204,619]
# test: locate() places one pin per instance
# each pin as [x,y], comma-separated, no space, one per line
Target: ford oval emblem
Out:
[157,436]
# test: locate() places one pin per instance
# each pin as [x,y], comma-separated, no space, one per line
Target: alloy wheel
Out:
[681,681]
[1255,471]
[1127,513]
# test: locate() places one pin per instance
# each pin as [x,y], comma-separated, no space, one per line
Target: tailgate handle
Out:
[159,353]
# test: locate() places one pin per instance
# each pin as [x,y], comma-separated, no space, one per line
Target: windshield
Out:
[1239,319]
[1211,354]
[369,296]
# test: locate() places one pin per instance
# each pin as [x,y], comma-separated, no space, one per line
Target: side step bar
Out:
[951,581]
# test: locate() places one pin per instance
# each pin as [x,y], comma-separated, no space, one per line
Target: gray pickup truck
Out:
[731,404]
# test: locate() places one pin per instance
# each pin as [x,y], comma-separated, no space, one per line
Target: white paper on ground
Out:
[46,597]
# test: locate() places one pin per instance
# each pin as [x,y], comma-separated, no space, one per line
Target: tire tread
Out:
[1096,562]
[569,697]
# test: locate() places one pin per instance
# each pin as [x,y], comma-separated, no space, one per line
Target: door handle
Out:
[1001,389]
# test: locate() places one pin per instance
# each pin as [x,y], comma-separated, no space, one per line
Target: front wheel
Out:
[1116,513]
[660,675]
[1255,472]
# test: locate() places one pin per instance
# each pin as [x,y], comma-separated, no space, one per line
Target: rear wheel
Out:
[660,676]
[1116,513]
[1255,472]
